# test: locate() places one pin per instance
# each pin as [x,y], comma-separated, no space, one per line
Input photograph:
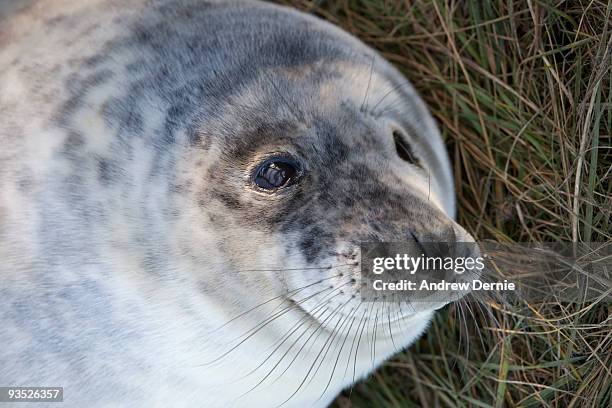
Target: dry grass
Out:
[521,90]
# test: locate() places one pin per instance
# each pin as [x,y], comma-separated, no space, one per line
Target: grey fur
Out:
[129,132]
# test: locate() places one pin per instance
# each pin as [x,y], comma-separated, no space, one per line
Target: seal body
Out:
[141,264]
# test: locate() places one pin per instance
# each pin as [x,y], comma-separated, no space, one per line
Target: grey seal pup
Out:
[183,189]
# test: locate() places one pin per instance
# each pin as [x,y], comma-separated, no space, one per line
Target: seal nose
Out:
[450,241]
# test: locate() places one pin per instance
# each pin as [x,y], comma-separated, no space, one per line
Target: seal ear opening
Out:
[404,151]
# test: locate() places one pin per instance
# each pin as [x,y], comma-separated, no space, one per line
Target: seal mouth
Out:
[386,320]
[305,314]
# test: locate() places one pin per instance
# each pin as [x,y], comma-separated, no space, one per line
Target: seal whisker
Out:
[290,293]
[308,317]
[281,312]
[298,269]
[261,325]
[317,312]
[375,333]
[319,326]
[486,312]
[348,360]
[348,332]
[374,327]
[389,324]
[365,322]
[393,89]
[317,332]
[257,328]
[333,332]
[463,330]
[367,91]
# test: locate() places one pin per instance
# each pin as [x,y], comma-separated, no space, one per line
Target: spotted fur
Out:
[140,266]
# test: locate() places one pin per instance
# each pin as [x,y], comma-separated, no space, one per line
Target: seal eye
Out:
[276,173]
[404,151]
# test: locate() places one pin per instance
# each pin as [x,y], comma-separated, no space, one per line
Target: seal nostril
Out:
[419,243]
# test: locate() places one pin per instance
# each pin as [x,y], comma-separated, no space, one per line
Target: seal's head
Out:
[308,162]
